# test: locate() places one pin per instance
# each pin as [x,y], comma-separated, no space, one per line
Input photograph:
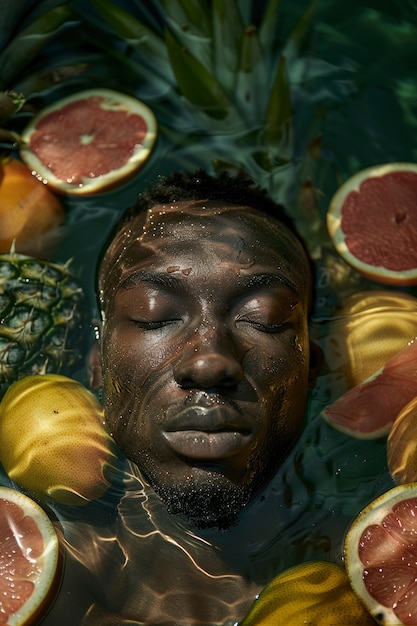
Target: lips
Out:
[207,433]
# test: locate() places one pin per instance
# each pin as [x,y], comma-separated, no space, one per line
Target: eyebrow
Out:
[266,279]
[174,281]
[159,279]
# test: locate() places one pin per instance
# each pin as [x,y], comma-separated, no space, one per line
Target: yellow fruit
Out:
[370,328]
[31,216]
[402,445]
[30,560]
[380,556]
[372,221]
[316,593]
[54,444]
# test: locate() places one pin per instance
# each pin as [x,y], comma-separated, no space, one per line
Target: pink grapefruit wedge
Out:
[89,142]
[30,560]
[380,556]
[372,220]
[369,410]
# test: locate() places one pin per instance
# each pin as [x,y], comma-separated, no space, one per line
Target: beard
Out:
[216,503]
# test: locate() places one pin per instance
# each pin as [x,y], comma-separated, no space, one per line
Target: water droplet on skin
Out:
[298,345]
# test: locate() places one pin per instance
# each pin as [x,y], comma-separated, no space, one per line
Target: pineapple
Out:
[42,318]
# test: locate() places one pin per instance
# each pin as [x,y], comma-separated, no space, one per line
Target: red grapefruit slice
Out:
[90,141]
[30,560]
[380,556]
[372,220]
[368,410]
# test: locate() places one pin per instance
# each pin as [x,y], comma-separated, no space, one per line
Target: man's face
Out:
[205,352]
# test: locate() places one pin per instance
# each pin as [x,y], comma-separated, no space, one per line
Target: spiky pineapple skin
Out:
[43,318]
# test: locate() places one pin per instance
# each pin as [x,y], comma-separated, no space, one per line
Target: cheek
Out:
[136,370]
[285,387]
[284,363]
[131,356]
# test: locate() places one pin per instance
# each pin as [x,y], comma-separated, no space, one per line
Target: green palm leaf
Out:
[190,15]
[228,28]
[29,41]
[196,82]
[139,36]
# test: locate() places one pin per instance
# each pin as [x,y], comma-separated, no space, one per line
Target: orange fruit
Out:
[316,593]
[369,409]
[90,141]
[369,329]
[31,216]
[402,445]
[372,220]
[30,560]
[54,443]
[380,556]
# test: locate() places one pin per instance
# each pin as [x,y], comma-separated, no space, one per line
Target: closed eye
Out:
[155,325]
[262,327]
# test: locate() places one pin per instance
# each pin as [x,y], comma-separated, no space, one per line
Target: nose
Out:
[208,363]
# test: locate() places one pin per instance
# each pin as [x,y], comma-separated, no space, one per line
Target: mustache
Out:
[206,411]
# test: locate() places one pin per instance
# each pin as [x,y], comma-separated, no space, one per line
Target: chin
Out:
[214,502]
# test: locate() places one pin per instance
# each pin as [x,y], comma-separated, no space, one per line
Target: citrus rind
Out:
[49,425]
[402,445]
[49,574]
[112,100]
[314,592]
[369,410]
[32,217]
[334,219]
[384,321]
[373,515]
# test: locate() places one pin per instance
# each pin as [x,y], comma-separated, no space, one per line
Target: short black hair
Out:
[236,189]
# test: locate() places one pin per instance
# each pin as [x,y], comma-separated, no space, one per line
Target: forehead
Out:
[234,237]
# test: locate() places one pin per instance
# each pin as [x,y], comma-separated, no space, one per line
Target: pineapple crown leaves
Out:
[221,65]
[138,35]
[10,103]
[29,41]
[11,12]
[27,30]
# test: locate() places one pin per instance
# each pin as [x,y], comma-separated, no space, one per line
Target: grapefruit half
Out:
[90,141]
[372,220]
[380,556]
[30,560]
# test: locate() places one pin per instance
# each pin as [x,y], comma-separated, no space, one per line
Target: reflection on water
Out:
[129,562]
